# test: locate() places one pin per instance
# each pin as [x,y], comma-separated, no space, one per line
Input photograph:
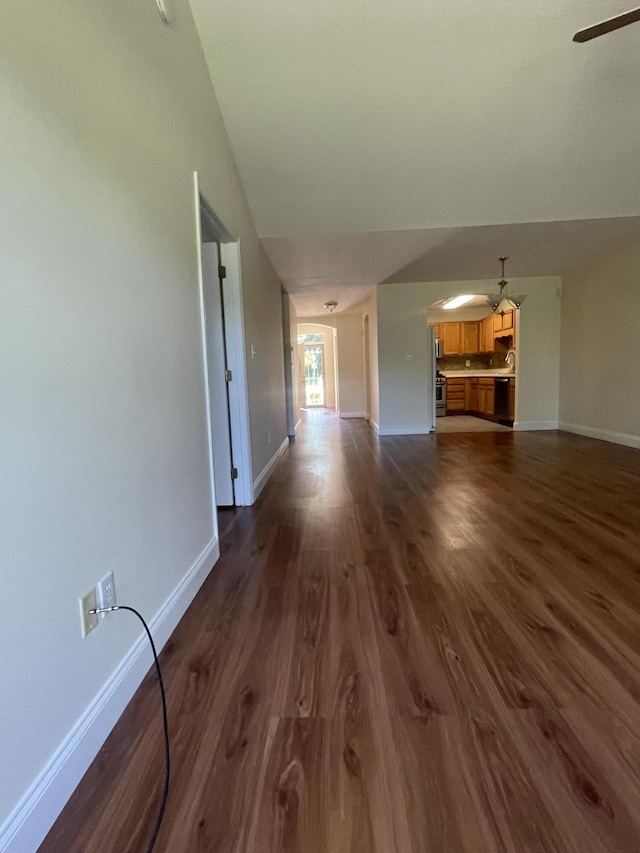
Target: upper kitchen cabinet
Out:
[486,334]
[451,338]
[470,338]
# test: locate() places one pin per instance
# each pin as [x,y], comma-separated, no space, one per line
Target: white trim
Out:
[527,426]
[33,817]
[205,366]
[261,480]
[352,414]
[628,439]
[298,425]
[237,360]
[376,427]
[403,430]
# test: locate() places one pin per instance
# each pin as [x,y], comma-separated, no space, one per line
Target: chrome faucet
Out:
[510,358]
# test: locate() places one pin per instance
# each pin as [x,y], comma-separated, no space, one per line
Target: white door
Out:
[217,365]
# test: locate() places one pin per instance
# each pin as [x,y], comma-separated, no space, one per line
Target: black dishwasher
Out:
[502,399]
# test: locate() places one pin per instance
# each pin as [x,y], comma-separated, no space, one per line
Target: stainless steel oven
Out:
[441,396]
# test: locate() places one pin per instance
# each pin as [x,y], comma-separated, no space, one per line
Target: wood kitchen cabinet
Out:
[451,338]
[456,403]
[470,338]
[477,396]
[508,321]
[486,334]
[471,394]
[486,396]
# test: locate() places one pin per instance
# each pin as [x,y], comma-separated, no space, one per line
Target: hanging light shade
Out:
[496,299]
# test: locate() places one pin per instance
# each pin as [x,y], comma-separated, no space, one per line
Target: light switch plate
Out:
[88,621]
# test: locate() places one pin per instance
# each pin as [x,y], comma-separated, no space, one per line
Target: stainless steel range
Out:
[441,396]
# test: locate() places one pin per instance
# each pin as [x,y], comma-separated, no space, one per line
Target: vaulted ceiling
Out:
[421,118]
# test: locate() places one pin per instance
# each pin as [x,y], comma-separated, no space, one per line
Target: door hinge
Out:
[228,376]
[234,473]
[222,271]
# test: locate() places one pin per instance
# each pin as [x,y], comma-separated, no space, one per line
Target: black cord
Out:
[167,757]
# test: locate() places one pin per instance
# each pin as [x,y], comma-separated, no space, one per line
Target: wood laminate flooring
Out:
[422,644]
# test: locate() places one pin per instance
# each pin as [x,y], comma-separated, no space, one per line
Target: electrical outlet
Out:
[468,363]
[106,593]
[88,621]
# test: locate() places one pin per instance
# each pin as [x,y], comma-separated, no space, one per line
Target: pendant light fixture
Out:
[496,299]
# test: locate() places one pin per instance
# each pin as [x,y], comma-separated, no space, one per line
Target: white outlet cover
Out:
[106,591]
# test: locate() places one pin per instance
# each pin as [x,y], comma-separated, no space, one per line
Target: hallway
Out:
[423,644]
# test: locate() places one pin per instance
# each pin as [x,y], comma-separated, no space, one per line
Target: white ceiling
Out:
[354,116]
[347,267]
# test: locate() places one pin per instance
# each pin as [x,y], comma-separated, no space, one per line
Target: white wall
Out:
[600,331]
[402,317]
[329,362]
[106,113]
[351,398]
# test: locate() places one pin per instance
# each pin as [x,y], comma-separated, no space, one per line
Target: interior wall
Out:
[350,364]
[600,330]
[106,113]
[329,365]
[402,318]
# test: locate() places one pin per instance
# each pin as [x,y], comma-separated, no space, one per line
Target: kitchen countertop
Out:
[468,374]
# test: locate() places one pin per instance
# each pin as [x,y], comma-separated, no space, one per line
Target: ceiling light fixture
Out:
[495,300]
[331,306]
[457,301]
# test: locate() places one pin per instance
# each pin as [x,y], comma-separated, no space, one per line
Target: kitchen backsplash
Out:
[482,361]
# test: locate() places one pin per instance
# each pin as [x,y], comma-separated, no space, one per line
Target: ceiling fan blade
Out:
[608,26]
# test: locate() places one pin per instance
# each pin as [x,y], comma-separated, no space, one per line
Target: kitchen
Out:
[476,355]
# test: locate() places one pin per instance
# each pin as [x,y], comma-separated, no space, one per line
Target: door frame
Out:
[236,352]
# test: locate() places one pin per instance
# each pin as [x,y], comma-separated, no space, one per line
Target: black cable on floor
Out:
[167,756]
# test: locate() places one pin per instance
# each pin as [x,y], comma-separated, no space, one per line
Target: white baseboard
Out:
[352,414]
[261,480]
[298,425]
[526,426]
[25,828]
[628,439]
[403,430]
[376,427]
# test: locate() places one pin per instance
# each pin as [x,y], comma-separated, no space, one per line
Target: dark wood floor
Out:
[410,645]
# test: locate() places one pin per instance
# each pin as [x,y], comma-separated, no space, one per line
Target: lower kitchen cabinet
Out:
[456,390]
[486,397]
[476,396]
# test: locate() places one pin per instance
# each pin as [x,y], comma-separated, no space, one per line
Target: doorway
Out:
[224,361]
[313,361]
[218,376]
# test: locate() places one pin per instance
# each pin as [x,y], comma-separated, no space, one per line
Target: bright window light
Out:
[457,301]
